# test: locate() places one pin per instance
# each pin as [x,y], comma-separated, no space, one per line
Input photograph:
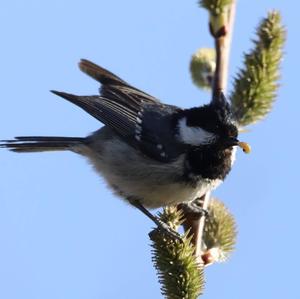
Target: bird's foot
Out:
[161,226]
[165,229]
[194,208]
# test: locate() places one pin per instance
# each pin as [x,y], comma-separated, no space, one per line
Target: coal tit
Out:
[150,153]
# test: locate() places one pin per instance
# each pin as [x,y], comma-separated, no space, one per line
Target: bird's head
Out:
[209,125]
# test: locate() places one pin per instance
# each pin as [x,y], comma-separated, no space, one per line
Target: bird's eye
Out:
[232,132]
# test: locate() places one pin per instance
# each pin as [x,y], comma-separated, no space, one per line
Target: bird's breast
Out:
[208,163]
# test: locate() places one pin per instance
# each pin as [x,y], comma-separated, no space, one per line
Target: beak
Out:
[243,145]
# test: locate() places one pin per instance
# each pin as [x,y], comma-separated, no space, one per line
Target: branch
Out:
[221,29]
[222,45]
[208,240]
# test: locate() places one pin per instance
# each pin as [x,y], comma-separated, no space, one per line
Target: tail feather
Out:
[27,144]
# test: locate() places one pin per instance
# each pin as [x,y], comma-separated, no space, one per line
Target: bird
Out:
[151,154]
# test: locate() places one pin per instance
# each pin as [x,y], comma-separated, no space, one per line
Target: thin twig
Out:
[200,229]
[222,46]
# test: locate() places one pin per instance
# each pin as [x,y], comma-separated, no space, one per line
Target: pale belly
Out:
[175,193]
[153,187]
[132,175]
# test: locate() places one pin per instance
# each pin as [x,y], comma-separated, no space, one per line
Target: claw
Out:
[195,209]
[167,230]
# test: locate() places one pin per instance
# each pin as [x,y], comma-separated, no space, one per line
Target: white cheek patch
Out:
[233,154]
[194,135]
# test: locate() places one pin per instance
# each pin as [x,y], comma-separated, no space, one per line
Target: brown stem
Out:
[222,46]
[196,226]
[220,78]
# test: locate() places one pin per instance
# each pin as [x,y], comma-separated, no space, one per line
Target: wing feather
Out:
[139,118]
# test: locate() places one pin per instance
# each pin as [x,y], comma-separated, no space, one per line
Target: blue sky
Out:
[63,234]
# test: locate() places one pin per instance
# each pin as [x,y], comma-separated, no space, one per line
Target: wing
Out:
[140,119]
[113,86]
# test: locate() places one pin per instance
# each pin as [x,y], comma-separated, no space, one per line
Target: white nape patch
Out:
[194,135]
